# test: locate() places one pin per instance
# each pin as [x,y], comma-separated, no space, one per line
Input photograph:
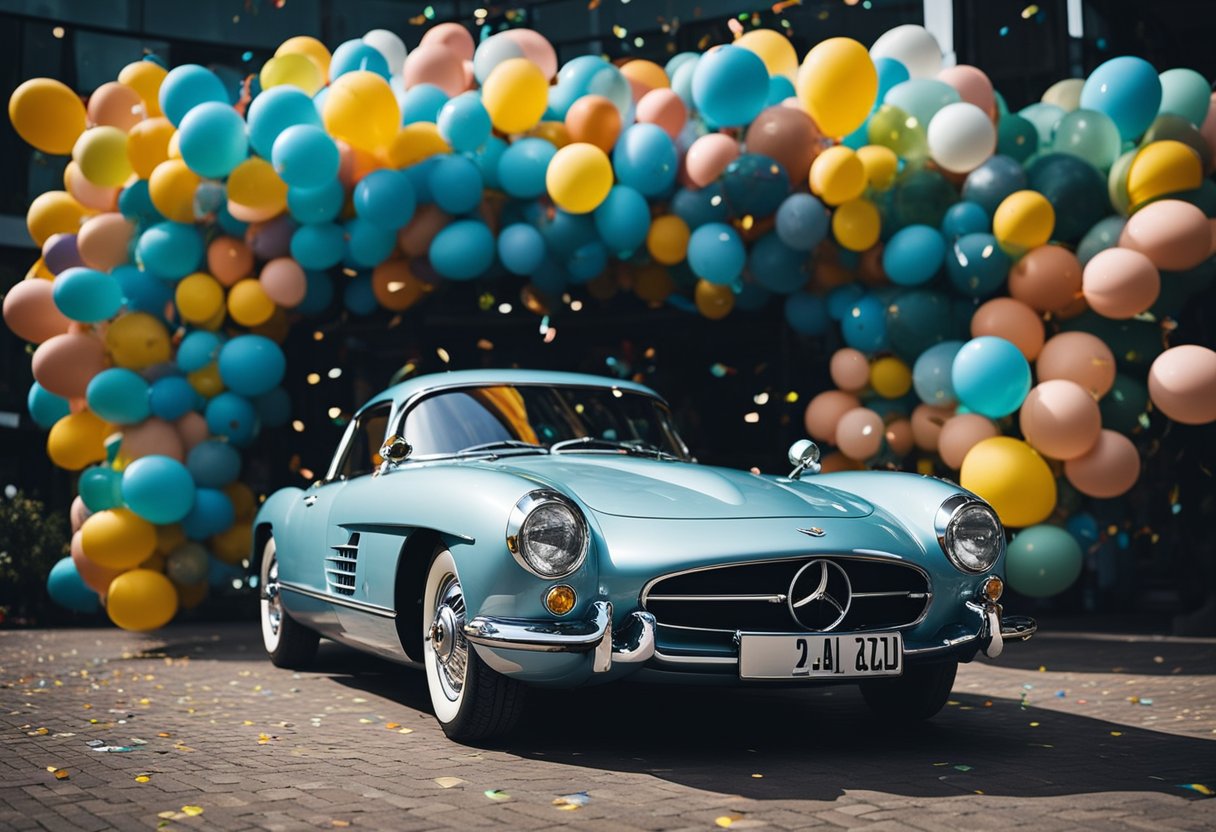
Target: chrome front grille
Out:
[754,597]
[340,567]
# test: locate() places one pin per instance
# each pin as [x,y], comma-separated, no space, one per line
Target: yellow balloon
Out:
[361,110]
[881,165]
[837,85]
[47,114]
[1116,183]
[248,303]
[77,440]
[213,323]
[145,77]
[101,153]
[117,539]
[774,49]
[667,239]
[1164,167]
[243,502]
[837,175]
[856,224]
[416,142]
[515,95]
[54,212]
[141,600]
[233,545]
[172,187]
[555,133]
[254,184]
[890,377]
[1024,220]
[206,381]
[169,537]
[148,145]
[647,74]
[309,47]
[1065,94]
[199,296]
[579,177]
[137,341]
[292,70]
[713,301]
[1012,477]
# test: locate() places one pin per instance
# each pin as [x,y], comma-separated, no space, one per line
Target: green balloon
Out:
[1016,137]
[1044,117]
[1091,135]
[894,128]
[1116,182]
[1168,126]
[1185,93]
[1124,404]
[1042,561]
[1103,235]
[921,197]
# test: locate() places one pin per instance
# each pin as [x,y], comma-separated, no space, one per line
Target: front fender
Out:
[274,514]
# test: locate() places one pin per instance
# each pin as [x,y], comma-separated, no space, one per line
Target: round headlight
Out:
[548,535]
[973,535]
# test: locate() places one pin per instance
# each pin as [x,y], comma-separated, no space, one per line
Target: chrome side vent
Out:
[340,567]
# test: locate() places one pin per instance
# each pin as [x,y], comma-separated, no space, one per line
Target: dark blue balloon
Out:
[588,261]
[319,295]
[274,407]
[965,218]
[251,365]
[566,233]
[141,291]
[913,255]
[172,397]
[977,265]
[213,464]
[422,102]
[211,514]
[702,205]
[751,297]
[802,221]
[229,224]
[755,185]
[807,314]
[842,299]
[865,325]
[916,320]
[455,184]
[521,248]
[989,184]
[645,159]
[776,266]
[234,417]
[68,589]
[623,220]
[522,167]
[359,297]
[45,407]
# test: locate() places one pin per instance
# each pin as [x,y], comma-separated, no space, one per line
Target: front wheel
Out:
[917,695]
[289,643]
[471,701]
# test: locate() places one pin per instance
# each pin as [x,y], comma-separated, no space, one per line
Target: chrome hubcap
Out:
[274,604]
[446,636]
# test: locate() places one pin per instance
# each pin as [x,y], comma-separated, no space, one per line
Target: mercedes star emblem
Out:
[820,595]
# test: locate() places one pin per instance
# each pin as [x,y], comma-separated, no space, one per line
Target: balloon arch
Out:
[980,264]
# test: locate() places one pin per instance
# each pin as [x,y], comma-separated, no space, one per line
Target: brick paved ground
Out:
[1047,739]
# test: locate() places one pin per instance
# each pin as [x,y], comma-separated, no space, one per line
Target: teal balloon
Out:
[171,250]
[1042,561]
[1016,137]
[716,253]
[319,294]
[354,56]
[917,319]
[187,86]
[521,248]
[251,365]
[990,376]
[522,167]
[318,246]
[1124,404]
[158,488]
[359,297]
[921,197]
[276,109]
[843,298]
[141,292]
[68,589]
[1128,90]
[864,326]
[455,184]
[1186,93]
[234,417]
[730,86]
[977,266]
[807,314]
[100,488]
[1044,117]
[304,156]
[464,123]
[1075,189]
[645,159]
[486,159]
[779,89]
[118,395]
[913,255]
[779,268]
[989,184]
[212,139]
[587,261]
[367,243]
[197,350]
[1102,235]
[623,220]
[921,98]
[890,72]
[463,250]
[213,464]
[273,407]
[681,82]
[1090,135]
[87,295]
[46,408]
[802,221]
[755,184]
[698,206]
[383,197]
[324,202]
[931,374]
[172,397]
[422,102]
[965,218]
[135,203]
[590,75]
[211,514]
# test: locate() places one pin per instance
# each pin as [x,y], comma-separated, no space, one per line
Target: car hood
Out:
[629,486]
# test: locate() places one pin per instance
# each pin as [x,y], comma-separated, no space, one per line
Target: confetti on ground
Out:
[143,778]
[392,726]
[962,768]
[366,721]
[192,811]
[405,731]
[114,749]
[341,824]
[1061,694]
[449,782]
[1116,733]
[60,773]
[758,776]
[1034,725]
[496,794]
[1146,701]
[571,802]
[1197,787]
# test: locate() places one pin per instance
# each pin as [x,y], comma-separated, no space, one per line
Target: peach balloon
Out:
[643,77]
[192,429]
[116,105]
[355,163]
[104,241]
[849,369]
[960,434]
[927,423]
[1079,357]
[95,576]
[1182,384]
[595,120]
[432,63]
[1109,469]
[395,286]
[284,282]
[1046,279]
[416,237]
[664,108]
[836,461]
[1120,283]
[96,197]
[1174,234]
[825,410]
[859,433]
[30,311]
[65,364]
[973,86]
[229,260]
[452,37]
[787,136]
[536,48]
[1060,419]
[151,437]
[1012,320]
[78,513]
[708,157]
[899,437]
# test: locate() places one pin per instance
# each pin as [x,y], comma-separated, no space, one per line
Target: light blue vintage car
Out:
[509,528]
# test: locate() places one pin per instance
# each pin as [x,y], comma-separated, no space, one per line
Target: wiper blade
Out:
[503,445]
[634,448]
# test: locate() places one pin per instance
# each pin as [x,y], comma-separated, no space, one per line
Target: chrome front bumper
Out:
[632,643]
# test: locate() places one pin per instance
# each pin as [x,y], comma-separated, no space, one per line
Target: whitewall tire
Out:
[287,642]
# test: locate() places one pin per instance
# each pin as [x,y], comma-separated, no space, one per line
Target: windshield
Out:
[517,419]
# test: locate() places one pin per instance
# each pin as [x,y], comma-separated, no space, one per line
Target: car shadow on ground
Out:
[1115,654]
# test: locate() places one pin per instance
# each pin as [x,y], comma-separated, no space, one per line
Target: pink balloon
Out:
[95,577]
[30,311]
[1108,470]
[859,433]
[65,364]
[97,197]
[849,369]
[1079,357]
[415,238]
[78,513]
[789,136]
[452,37]
[230,259]
[664,108]
[149,437]
[825,410]
[899,437]
[192,428]
[1060,419]
[470,76]
[284,282]
[1012,320]
[1182,384]
[961,433]
[708,157]
[927,423]
[1120,283]
[1174,234]
[972,84]
[432,63]
[537,49]
[104,241]
[117,105]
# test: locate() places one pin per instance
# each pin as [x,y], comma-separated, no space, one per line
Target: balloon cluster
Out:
[956,244]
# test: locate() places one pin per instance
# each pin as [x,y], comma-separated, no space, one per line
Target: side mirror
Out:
[804,456]
[394,451]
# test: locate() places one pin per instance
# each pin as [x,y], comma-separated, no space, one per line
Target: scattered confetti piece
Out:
[757,776]
[192,811]
[38,732]
[1116,733]
[449,782]
[392,726]
[726,821]
[1146,701]
[1197,787]
[571,802]
[962,768]
[164,734]
[61,774]
[114,749]
[1034,725]
[365,721]
[340,824]
[405,731]
[496,794]
[143,778]
[1061,694]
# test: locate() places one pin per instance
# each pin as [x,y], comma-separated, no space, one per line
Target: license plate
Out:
[844,656]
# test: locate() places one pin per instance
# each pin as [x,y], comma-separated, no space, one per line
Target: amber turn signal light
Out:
[560,599]
[992,588]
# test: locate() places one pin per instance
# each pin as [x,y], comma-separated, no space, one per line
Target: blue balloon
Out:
[802,221]
[807,314]
[977,265]
[141,292]
[730,86]
[356,56]
[521,248]
[965,218]
[681,84]
[197,350]
[322,203]
[87,295]
[422,102]
[916,320]
[989,184]
[368,244]
[778,268]
[716,253]
[755,185]
[68,589]
[229,224]
[274,407]
[187,86]
[135,204]
[1084,528]
[1045,118]
[566,233]
[779,89]
[455,184]
[251,365]
[890,73]
[304,156]
[463,250]
[220,574]
[171,250]
[842,299]
[931,374]
[464,123]
[990,376]
[419,177]
[589,75]
[921,98]
[587,261]
[1128,90]
[213,464]
[171,398]
[158,488]
[320,293]
[233,416]
[100,488]
[212,139]
[45,407]
[487,159]
[864,326]
[521,170]
[385,198]
[359,297]
[118,395]
[623,220]
[913,255]
[645,159]
[274,111]
[211,514]
[318,246]
[1016,137]
[701,205]
[679,60]
[859,138]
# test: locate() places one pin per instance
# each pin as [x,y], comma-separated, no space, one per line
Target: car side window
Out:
[363,453]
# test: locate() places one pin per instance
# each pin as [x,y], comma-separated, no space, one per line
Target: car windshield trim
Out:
[502,446]
[595,444]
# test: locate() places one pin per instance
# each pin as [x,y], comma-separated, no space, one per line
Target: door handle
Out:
[310,500]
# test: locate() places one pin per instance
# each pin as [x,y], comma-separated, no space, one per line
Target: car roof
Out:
[413,387]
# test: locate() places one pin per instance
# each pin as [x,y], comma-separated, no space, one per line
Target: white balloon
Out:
[961,137]
[913,46]
[390,46]
[491,52]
